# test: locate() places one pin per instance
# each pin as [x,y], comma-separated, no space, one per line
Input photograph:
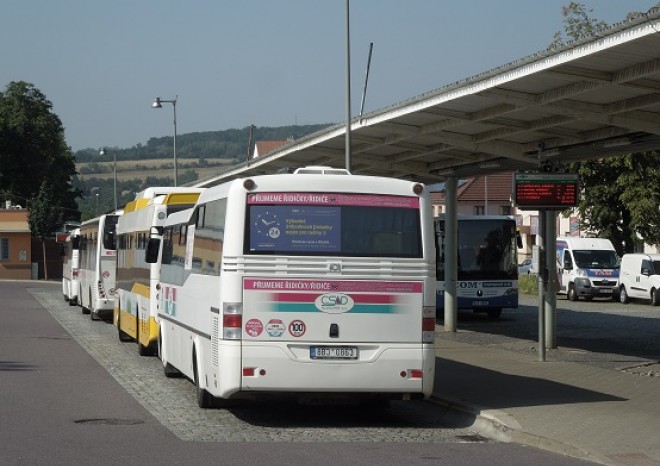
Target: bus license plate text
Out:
[333,352]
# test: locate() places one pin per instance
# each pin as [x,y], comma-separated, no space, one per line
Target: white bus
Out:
[98,264]
[70,263]
[305,284]
[487,279]
[134,312]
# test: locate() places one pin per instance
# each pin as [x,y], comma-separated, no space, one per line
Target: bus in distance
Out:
[312,284]
[487,279]
[70,242]
[135,309]
[98,264]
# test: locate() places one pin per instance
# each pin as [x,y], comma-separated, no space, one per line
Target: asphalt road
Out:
[71,393]
[616,336]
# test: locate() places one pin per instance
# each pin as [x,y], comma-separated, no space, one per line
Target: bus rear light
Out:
[428,324]
[102,295]
[232,321]
[252,371]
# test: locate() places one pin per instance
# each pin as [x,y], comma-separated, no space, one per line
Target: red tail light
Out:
[232,320]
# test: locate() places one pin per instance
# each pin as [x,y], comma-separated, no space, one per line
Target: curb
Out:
[502,427]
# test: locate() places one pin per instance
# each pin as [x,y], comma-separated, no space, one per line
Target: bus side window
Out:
[568,263]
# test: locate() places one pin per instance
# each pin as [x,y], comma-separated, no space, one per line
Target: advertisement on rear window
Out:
[301,222]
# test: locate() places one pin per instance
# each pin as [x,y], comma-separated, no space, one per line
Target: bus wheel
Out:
[204,399]
[145,350]
[655,298]
[494,313]
[572,294]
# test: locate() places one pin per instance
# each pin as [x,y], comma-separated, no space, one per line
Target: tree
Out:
[33,148]
[577,24]
[44,217]
[621,194]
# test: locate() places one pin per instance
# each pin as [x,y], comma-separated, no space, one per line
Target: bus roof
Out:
[177,197]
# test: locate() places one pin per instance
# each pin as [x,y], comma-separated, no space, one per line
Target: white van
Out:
[640,278]
[587,267]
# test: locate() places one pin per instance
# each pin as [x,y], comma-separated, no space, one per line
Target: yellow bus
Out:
[134,311]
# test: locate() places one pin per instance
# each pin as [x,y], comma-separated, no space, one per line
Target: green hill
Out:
[199,155]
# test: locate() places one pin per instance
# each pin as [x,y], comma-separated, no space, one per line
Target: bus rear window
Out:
[334,225]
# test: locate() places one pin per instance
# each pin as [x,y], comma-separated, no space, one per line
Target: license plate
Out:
[480,303]
[333,352]
[606,290]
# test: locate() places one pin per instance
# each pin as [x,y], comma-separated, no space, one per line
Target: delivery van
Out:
[588,268]
[640,278]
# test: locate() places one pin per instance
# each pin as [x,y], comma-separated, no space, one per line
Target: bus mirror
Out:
[519,241]
[151,254]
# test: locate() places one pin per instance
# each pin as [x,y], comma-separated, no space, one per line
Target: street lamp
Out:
[102,153]
[158,104]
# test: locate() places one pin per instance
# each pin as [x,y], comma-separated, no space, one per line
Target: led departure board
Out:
[545,190]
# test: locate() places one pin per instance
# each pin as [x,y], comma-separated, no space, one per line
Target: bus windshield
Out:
[109,232]
[364,225]
[486,250]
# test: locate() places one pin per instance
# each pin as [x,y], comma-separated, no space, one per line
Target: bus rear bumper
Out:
[393,371]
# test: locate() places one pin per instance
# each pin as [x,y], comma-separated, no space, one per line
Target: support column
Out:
[550,300]
[451,254]
[541,243]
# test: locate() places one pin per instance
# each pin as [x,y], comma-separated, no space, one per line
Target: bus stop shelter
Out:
[589,99]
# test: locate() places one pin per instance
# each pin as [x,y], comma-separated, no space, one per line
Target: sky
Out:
[262,62]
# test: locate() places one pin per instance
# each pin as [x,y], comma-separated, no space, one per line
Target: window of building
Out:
[479,210]
[4,249]
[505,210]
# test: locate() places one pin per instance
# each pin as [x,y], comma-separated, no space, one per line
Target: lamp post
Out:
[102,153]
[158,104]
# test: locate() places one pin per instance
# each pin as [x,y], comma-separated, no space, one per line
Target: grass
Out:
[528,284]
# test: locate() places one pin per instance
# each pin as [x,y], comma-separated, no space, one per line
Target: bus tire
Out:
[572,294]
[72,301]
[655,297]
[204,398]
[145,350]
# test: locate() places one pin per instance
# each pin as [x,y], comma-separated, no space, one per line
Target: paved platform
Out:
[577,409]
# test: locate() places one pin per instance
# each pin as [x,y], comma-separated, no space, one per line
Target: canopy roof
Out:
[588,99]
